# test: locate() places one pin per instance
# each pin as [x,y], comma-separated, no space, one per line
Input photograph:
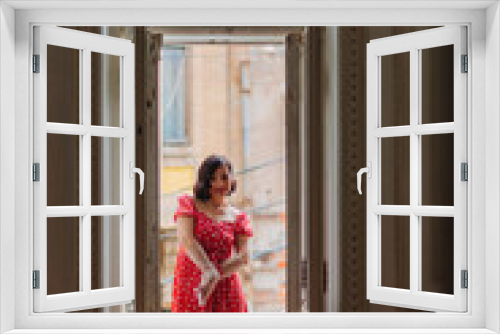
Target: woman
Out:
[212,244]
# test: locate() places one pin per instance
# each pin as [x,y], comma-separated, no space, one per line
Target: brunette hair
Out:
[206,172]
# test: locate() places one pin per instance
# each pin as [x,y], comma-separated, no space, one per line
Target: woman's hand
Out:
[232,264]
[207,286]
[207,290]
[238,261]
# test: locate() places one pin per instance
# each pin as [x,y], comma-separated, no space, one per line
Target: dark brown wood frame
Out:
[315,183]
[147,118]
[295,92]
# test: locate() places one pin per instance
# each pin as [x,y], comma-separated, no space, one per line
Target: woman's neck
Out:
[217,202]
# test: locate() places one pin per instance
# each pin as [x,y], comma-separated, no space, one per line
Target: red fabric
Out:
[218,239]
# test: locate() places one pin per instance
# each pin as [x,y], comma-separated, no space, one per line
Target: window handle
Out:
[368,171]
[138,171]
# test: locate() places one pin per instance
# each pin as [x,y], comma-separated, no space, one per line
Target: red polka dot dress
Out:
[217,237]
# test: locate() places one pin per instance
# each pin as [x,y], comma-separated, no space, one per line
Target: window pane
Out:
[106,242]
[63,255]
[173,93]
[437,170]
[106,98]
[63,85]
[106,171]
[395,171]
[395,99]
[395,251]
[437,254]
[437,84]
[63,170]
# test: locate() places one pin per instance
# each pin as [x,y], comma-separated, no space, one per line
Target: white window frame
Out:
[86,298]
[413,44]
[483,314]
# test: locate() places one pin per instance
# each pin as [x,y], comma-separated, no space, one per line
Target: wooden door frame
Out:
[295,92]
[294,156]
[315,188]
[148,206]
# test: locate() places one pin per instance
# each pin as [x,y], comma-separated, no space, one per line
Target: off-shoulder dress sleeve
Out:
[243,225]
[185,207]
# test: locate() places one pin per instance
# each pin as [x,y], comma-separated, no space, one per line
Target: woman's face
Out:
[221,182]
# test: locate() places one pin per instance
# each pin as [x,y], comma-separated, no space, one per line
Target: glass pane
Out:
[63,170]
[106,171]
[63,255]
[437,84]
[106,98]
[395,245]
[173,93]
[437,254]
[63,84]
[106,251]
[395,81]
[437,169]
[395,171]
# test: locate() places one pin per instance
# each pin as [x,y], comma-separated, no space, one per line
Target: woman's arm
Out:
[193,249]
[240,260]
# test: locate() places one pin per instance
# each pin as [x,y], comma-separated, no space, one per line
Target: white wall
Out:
[277,17]
[7,161]
[492,165]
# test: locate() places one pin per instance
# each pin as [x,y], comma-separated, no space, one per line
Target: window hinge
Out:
[465,63]
[303,274]
[465,279]
[36,63]
[464,172]
[36,279]
[36,172]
